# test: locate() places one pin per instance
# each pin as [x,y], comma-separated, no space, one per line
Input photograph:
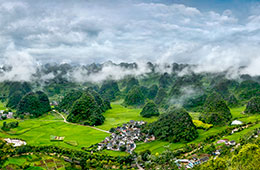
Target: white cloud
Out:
[97,31]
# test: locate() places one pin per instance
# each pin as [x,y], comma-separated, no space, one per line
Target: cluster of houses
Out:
[6,115]
[227,142]
[190,163]
[124,138]
[15,142]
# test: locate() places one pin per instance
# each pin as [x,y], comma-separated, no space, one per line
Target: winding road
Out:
[65,121]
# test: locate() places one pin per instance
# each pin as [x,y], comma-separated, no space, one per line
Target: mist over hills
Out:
[96,73]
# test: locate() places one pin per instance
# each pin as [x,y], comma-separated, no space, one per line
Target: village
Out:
[123,138]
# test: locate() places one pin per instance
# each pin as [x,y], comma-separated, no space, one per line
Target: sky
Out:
[214,34]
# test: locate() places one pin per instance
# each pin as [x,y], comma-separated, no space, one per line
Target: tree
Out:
[253,106]
[150,109]
[215,110]
[134,96]
[174,125]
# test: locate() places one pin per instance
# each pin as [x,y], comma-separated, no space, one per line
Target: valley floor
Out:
[38,131]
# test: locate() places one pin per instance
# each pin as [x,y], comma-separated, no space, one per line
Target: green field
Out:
[38,131]
[2,106]
[120,114]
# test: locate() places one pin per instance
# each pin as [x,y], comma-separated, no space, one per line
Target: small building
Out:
[15,142]
[232,143]
[56,138]
[204,159]
[222,141]
[236,122]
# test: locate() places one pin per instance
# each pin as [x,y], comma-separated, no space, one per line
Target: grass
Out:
[2,106]
[120,114]
[38,131]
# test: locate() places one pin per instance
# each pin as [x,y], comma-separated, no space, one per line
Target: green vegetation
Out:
[175,125]
[150,109]
[109,90]
[248,89]
[119,115]
[35,103]
[134,97]
[12,92]
[200,125]
[131,82]
[152,91]
[68,100]
[8,126]
[86,111]
[37,132]
[253,106]
[215,110]
[232,101]
[161,96]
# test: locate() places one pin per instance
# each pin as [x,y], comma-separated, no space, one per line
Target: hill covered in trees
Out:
[215,110]
[175,125]
[253,106]
[35,103]
[134,96]
[84,106]
[150,109]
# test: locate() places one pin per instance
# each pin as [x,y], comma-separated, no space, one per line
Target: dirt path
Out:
[65,121]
